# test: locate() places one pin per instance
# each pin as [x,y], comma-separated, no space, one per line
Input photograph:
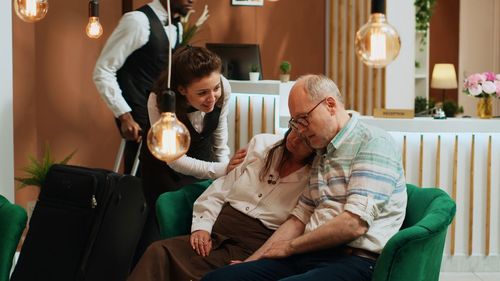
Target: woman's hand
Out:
[237,159]
[201,242]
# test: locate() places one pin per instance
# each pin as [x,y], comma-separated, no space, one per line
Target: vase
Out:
[284,78]
[254,76]
[485,107]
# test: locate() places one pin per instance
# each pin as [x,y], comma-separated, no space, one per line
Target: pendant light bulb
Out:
[31,10]
[94,28]
[168,139]
[377,42]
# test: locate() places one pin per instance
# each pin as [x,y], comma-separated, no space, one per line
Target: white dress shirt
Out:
[194,167]
[131,34]
[270,202]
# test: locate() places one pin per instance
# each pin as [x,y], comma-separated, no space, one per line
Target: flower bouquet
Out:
[484,86]
[191,29]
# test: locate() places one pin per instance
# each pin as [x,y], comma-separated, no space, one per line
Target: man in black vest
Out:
[130,63]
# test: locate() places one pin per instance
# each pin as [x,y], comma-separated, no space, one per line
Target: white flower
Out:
[475,90]
[489,87]
[204,16]
[185,19]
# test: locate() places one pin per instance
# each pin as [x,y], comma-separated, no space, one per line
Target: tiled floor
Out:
[469,276]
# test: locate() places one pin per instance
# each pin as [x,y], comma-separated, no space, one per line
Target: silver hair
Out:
[319,87]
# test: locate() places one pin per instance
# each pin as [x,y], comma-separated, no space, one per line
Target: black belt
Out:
[360,253]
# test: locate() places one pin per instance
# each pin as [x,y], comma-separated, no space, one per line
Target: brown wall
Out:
[444,34]
[25,99]
[283,30]
[55,100]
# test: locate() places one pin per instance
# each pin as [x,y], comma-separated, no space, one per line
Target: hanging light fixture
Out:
[168,139]
[31,10]
[377,42]
[94,27]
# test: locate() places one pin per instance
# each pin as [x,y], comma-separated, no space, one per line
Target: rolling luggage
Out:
[85,226]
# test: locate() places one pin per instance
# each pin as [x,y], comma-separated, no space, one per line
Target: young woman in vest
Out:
[236,214]
[202,97]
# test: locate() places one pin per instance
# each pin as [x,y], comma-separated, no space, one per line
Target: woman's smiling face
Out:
[203,93]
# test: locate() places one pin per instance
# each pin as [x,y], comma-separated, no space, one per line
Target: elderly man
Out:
[354,203]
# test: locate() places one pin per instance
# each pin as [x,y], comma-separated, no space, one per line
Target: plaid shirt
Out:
[360,172]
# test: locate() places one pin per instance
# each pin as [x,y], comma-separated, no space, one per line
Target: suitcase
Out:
[85,226]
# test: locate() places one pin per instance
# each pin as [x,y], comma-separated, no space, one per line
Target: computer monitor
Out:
[237,59]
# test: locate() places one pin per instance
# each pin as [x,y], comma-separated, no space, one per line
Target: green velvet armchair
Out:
[416,251]
[12,222]
[174,209]
[412,254]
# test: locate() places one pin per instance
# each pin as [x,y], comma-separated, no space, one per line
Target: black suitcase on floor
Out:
[85,226]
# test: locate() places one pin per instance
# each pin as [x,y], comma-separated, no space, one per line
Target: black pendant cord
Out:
[378,7]
[93,8]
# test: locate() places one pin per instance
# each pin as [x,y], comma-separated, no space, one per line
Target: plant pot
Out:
[485,107]
[284,78]
[254,76]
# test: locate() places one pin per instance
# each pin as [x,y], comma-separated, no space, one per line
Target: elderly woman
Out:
[236,214]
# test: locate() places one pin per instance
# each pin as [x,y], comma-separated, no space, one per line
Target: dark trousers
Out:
[314,266]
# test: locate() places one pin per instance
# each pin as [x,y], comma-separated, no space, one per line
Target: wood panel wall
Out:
[362,87]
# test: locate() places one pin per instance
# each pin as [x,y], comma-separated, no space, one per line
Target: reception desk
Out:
[461,156]
[458,155]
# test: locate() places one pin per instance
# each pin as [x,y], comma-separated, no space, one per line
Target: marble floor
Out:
[469,276]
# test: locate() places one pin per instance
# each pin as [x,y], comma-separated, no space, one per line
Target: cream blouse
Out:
[270,202]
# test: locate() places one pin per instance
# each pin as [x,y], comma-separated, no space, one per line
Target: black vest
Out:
[157,177]
[143,67]
[202,144]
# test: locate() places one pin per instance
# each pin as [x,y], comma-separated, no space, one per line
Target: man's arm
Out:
[340,230]
[131,33]
[290,229]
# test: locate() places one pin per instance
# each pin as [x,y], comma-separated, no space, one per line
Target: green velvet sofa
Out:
[12,223]
[412,254]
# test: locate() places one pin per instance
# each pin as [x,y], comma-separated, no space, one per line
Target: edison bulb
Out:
[377,42]
[94,28]
[31,10]
[168,139]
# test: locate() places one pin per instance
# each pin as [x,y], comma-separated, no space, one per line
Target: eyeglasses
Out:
[300,122]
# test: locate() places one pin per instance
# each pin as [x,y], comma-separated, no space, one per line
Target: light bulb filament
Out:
[168,141]
[31,9]
[378,46]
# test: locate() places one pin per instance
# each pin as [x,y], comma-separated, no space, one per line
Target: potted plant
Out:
[285,68]
[36,171]
[423,14]
[254,73]
[451,108]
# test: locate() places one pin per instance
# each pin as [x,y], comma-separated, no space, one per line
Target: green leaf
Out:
[36,170]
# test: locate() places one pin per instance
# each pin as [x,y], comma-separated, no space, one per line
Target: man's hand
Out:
[201,242]
[129,129]
[237,159]
[279,249]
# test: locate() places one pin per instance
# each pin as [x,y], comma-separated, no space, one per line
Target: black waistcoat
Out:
[142,68]
[157,177]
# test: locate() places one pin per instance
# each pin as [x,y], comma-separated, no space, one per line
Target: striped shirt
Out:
[361,172]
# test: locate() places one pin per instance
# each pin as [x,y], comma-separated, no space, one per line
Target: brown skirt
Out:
[235,236]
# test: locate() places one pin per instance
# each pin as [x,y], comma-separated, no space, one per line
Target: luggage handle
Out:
[119,157]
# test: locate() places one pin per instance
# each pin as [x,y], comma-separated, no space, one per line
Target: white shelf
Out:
[420,76]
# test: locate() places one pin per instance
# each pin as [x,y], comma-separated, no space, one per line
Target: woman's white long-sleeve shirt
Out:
[194,167]
[270,202]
